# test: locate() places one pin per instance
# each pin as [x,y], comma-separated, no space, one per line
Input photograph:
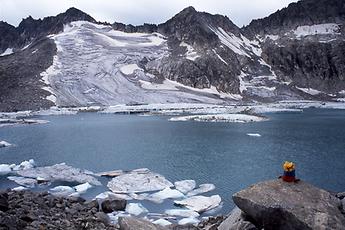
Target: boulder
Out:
[236,221]
[131,223]
[4,202]
[109,206]
[279,205]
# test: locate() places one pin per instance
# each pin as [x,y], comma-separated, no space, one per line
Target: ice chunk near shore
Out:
[167,193]
[203,188]
[135,209]
[62,191]
[5,169]
[4,144]
[200,203]
[253,134]
[135,182]
[182,213]
[27,182]
[185,186]
[60,172]
[82,188]
[190,220]
[162,222]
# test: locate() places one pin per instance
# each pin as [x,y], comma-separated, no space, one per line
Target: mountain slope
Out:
[296,53]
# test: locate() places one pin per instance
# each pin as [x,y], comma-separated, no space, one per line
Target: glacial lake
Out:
[218,153]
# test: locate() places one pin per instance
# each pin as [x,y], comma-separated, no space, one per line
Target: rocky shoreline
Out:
[267,205]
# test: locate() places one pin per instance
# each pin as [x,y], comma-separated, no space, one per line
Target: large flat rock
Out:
[279,205]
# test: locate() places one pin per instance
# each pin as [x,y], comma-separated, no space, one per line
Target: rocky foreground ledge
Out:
[267,205]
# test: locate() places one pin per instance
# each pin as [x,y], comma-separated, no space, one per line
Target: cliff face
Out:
[304,43]
[295,53]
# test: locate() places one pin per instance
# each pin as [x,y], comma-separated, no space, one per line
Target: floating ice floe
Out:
[60,172]
[162,222]
[200,203]
[5,169]
[4,144]
[167,193]
[135,182]
[62,191]
[135,209]
[235,118]
[82,188]
[182,213]
[189,220]
[110,195]
[203,188]
[146,196]
[27,182]
[19,188]
[185,186]
[113,173]
[253,134]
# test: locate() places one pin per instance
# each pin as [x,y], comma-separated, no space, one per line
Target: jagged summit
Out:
[304,12]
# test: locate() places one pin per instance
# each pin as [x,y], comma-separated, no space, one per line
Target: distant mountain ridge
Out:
[295,53]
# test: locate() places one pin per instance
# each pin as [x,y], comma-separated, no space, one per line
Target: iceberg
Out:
[136,182]
[200,203]
[4,144]
[167,193]
[25,165]
[182,213]
[135,209]
[60,172]
[253,134]
[27,182]
[203,188]
[185,186]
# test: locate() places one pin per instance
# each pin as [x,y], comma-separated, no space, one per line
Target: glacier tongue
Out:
[96,65]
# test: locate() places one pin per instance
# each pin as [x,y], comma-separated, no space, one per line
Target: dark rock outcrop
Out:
[279,205]
[109,206]
[236,221]
[29,210]
[4,202]
[131,223]
[304,12]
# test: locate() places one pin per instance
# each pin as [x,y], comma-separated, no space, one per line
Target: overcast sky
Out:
[241,12]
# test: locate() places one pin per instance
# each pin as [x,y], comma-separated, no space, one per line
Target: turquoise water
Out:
[219,153]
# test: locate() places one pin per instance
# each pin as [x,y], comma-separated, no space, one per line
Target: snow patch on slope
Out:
[8,51]
[319,29]
[191,54]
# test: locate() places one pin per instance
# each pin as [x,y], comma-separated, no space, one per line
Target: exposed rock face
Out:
[21,88]
[277,204]
[236,221]
[130,223]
